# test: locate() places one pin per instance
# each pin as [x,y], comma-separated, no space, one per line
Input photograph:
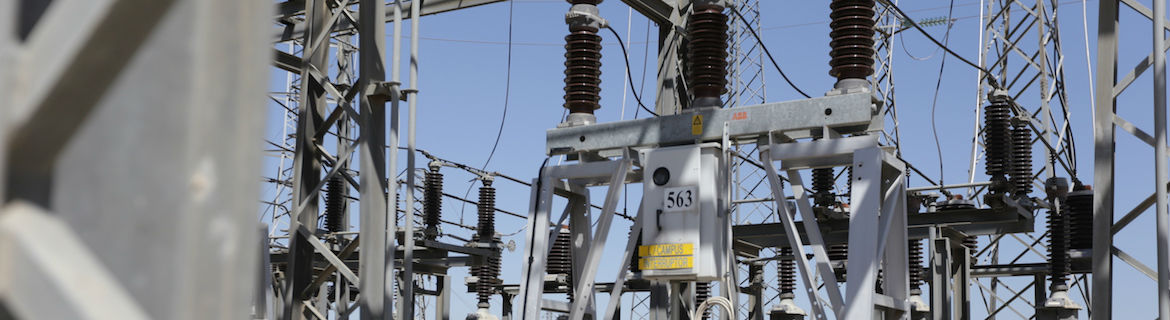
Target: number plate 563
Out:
[680,198]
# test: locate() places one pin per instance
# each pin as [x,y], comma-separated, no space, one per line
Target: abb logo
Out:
[742,115]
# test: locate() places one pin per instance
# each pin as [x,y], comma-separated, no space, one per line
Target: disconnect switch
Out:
[686,228]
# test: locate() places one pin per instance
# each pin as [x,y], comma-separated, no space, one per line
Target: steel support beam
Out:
[373,188]
[306,168]
[406,276]
[72,56]
[1160,161]
[1103,159]
[584,286]
[429,7]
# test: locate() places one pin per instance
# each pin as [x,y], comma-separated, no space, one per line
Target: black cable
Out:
[769,53]
[645,58]
[626,56]
[934,103]
[990,76]
[534,232]
[507,90]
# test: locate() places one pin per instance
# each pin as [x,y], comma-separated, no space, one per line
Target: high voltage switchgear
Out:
[685,233]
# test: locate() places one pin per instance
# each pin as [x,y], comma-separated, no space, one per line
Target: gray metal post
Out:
[306,165]
[392,193]
[668,100]
[372,256]
[940,281]
[1103,161]
[659,300]
[1038,285]
[506,314]
[1160,159]
[406,278]
[962,280]
[581,228]
[584,289]
[443,301]
[756,290]
[865,203]
[532,285]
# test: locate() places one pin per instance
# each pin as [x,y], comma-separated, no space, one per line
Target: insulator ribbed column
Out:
[702,293]
[786,271]
[707,53]
[1058,263]
[822,185]
[916,270]
[1021,160]
[998,141]
[432,202]
[335,204]
[852,39]
[487,274]
[583,66]
[1080,219]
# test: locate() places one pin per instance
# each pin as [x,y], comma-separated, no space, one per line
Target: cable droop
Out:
[432,201]
[997,140]
[582,69]
[852,39]
[1021,160]
[707,54]
[335,205]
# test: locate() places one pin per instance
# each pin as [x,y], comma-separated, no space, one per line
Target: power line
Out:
[626,56]
[507,90]
[645,59]
[990,76]
[934,103]
[769,54]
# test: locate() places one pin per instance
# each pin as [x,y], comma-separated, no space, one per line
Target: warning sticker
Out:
[697,124]
[669,249]
[659,263]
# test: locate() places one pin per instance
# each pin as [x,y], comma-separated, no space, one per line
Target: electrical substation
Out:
[133,134]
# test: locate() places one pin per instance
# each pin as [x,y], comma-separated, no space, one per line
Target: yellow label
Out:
[697,125]
[669,249]
[659,263]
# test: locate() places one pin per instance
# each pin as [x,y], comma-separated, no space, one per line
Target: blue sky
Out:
[462,84]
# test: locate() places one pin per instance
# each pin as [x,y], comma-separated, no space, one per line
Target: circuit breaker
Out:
[685,230]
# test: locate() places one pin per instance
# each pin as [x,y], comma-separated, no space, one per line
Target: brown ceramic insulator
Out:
[707,52]
[582,70]
[852,39]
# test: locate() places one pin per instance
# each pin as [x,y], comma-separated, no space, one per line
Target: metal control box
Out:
[685,233]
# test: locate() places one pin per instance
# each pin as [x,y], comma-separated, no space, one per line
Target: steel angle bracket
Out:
[847,113]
